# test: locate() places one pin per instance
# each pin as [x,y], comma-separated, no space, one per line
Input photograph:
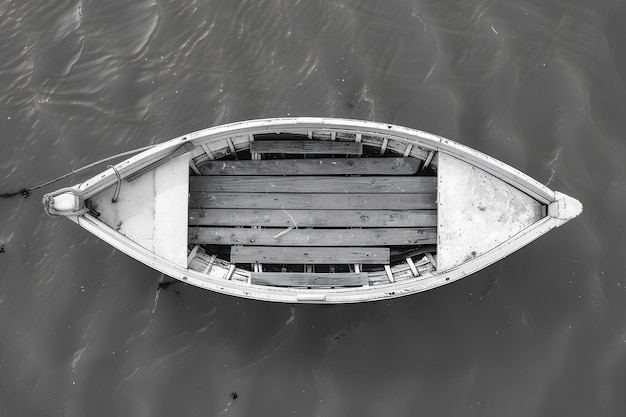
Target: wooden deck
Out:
[330,211]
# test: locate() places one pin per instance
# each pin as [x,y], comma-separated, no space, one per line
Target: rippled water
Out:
[540,85]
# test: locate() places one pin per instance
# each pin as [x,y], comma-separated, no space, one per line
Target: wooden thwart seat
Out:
[317,201]
[304,279]
[306,147]
[308,255]
[314,166]
[313,184]
[312,237]
[312,218]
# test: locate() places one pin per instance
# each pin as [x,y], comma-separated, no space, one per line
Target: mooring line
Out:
[25,192]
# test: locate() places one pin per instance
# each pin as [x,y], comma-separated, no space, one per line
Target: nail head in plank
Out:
[303,279]
[309,255]
[326,166]
[313,237]
[306,147]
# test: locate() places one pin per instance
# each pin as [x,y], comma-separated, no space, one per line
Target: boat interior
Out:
[313,209]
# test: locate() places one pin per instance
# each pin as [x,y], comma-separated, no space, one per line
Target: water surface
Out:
[540,85]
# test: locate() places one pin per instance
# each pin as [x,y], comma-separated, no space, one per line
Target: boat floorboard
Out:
[304,279]
[300,213]
[312,237]
[308,255]
[306,147]
[312,218]
[313,166]
[318,201]
[313,184]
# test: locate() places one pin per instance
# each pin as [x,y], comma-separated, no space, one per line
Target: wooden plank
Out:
[312,218]
[312,184]
[308,255]
[319,201]
[326,166]
[306,147]
[303,279]
[312,237]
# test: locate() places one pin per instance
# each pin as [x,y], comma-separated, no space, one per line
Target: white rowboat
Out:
[314,210]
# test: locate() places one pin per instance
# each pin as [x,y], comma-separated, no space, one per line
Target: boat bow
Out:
[564,208]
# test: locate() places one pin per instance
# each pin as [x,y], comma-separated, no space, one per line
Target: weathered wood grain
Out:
[325,166]
[304,279]
[312,218]
[312,237]
[320,201]
[312,184]
[308,255]
[306,147]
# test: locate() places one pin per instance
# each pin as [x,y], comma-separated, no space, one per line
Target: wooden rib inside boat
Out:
[299,212]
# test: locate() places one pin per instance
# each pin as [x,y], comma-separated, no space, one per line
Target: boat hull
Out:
[395,279]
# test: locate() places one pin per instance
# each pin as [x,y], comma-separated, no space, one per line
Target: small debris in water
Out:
[234,395]
[335,339]
[165,285]
[2,249]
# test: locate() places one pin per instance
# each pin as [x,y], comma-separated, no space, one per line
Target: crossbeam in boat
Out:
[313,166]
[313,184]
[312,237]
[319,201]
[304,279]
[312,218]
[306,147]
[308,255]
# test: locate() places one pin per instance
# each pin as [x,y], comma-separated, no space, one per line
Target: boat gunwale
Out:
[408,135]
[316,296]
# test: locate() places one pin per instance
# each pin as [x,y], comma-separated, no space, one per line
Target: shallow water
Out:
[538,85]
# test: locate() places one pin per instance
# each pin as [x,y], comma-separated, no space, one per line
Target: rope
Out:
[25,192]
[116,194]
